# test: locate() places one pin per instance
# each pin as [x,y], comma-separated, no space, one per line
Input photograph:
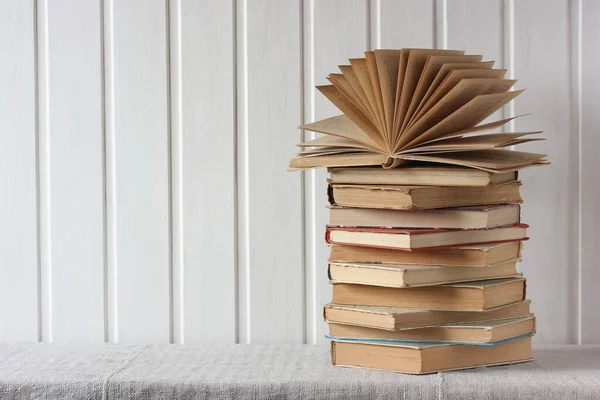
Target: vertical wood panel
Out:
[474,26]
[273,205]
[204,169]
[340,33]
[590,173]
[406,23]
[541,65]
[18,207]
[138,183]
[75,170]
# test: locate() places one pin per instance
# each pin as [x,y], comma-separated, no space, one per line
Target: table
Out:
[161,371]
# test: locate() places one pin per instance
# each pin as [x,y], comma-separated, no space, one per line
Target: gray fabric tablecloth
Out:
[63,371]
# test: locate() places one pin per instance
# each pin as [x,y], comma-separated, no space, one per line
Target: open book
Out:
[417,105]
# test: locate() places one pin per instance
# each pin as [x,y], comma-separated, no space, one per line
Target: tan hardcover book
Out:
[469,256]
[403,106]
[458,218]
[415,275]
[422,197]
[411,239]
[467,296]
[394,318]
[469,332]
[422,175]
[428,358]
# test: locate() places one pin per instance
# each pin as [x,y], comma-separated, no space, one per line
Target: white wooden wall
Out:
[144,148]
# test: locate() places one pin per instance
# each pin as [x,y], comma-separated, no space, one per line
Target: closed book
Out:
[419,175]
[459,218]
[466,256]
[428,358]
[390,275]
[422,197]
[409,239]
[467,333]
[467,296]
[396,318]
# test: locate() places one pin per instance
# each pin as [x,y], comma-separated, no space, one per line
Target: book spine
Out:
[330,195]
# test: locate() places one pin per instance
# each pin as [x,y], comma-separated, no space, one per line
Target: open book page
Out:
[475,130]
[322,151]
[468,115]
[339,160]
[417,105]
[374,75]
[480,142]
[414,67]
[465,91]
[353,113]
[451,80]
[341,126]
[342,84]
[361,70]
[404,54]
[328,141]
[488,160]
[388,63]
[353,81]
[430,71]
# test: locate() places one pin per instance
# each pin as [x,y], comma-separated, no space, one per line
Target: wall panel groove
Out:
[177,246]
[105,311]
[242,178]
[310,237]
[43,160]
[589,145]
[110,294]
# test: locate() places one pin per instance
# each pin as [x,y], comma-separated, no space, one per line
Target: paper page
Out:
[353,113]
[416,62]
[430,71]
[467,116]
[376,85]
[465,91]
[404,54]
[481,142]
[352,80]
[361,70]
[329,140]
[479,129]
[340,82]
[488,160]
[388,63]
[340,126]
[322,151]
[445,70]
[338,160]
[453,79]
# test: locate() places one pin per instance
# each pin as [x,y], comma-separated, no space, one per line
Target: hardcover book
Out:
[422,358]
[397,318]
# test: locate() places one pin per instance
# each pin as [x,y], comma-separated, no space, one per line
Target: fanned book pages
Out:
[417,105]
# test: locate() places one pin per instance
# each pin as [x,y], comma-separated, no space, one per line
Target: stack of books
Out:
[425,227]
[418,288]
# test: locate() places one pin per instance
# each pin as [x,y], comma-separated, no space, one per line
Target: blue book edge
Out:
[363,340]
